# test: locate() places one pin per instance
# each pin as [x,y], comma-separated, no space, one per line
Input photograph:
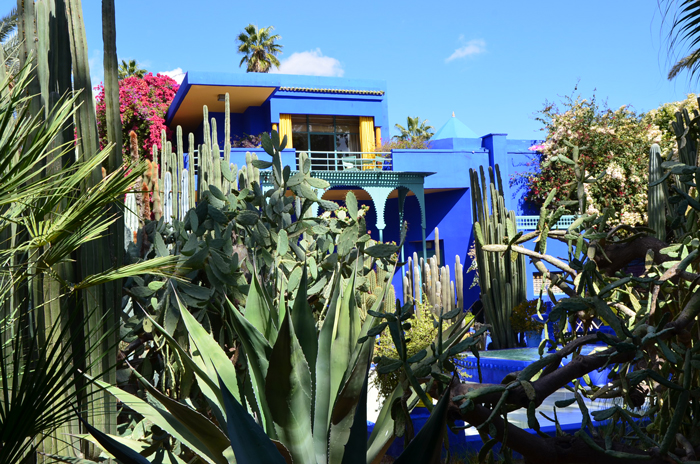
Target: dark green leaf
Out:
[425,447]
[565,403]
[288,394]
[123,453]
[248,439]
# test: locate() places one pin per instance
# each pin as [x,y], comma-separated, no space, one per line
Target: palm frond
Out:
[684,35]
[38,384]
[8,24]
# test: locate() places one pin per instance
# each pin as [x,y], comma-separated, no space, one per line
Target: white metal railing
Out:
[530,222]
[348,160]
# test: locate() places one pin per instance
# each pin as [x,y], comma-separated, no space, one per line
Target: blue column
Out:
[496,145]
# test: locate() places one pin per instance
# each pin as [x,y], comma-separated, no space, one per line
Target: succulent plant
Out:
[502,279]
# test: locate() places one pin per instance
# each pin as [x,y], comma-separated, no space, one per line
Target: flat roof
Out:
[252,89]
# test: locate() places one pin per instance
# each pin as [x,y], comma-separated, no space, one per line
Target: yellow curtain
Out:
[286,129]
[367,139]
[378,137]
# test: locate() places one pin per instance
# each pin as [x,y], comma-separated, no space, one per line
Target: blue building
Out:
[339,122]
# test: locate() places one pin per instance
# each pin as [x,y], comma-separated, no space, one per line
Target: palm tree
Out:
[130,69]
[414,130]
[684,16]
[259,48]
[9,41]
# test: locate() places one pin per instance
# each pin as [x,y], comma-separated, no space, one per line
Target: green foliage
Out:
[278,296]
[521,317]
[9,42]
[416,131]
[259,47]
[613,147]
[652,354]
[43,348]
[683,35]
[422,332]
[129,69]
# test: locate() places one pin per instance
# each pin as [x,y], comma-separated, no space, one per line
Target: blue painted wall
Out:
[343,97]
[448,201]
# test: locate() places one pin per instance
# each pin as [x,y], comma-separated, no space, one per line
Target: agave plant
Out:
[306,387]
[298,373]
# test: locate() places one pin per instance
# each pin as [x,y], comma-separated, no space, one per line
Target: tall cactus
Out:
[656,206]
[433,284]
[502,279]
[52,34]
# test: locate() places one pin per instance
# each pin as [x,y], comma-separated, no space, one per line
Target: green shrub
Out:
[420,335]
[521,317]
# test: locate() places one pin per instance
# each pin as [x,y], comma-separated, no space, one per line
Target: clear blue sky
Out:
[508,56]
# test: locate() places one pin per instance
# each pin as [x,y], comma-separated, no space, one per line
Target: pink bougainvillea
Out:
[143,103]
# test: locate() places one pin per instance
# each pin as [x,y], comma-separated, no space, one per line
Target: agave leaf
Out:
[111,443]
[323,401]
[199,425]
[123,449]
[305,325]
[356,447]
[211,354]
[248,439]
[382,435]
[165,420]
[347,324]
[260,312]
[346,406]
[425,446]
[288,394]
[258,352]
[206,383]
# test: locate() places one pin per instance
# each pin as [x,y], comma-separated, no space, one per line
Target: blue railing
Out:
[530,222]
[347,160]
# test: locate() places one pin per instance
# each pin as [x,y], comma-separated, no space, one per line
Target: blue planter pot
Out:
[533,339]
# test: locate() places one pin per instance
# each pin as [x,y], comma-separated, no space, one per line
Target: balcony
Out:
[348,161]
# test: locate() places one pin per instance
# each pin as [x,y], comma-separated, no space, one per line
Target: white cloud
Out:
[473,47]
[311,63]
[178,74]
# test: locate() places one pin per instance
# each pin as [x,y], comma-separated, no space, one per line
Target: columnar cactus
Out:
[656,207]
[502,279]
[441,293]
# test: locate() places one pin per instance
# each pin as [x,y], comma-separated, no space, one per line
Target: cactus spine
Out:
[502,279]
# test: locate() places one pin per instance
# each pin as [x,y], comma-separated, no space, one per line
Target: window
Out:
[324,137]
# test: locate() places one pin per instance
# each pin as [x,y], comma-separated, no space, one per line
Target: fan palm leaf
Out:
[56,214]
[130,68]
[684,35]
[414,130]
[259,48]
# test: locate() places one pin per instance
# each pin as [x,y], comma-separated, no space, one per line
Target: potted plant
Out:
[527,323]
